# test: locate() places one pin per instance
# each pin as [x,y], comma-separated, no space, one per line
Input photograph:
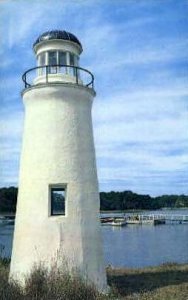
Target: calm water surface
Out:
[134,245]
[6,236]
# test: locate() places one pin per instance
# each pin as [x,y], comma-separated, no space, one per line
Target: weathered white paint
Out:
[56,78]
[58,148]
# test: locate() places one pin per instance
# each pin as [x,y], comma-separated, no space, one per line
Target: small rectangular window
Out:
[57,196]
[52,60]
[71,59]
[62,61]
[62,58]
[72,63]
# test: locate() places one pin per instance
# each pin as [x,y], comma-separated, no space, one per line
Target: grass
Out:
[165,282]
[169,281]
[43,284]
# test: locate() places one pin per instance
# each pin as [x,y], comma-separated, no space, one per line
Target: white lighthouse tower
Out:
[58,203]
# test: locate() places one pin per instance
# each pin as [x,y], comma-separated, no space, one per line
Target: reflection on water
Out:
[133,245]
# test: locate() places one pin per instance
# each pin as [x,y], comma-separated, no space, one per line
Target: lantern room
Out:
[57,54]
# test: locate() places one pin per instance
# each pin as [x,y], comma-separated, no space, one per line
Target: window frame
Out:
[52,189]
[72,71]
[65,62]
[41,70]
[69,58]
[51,69]
[65,56]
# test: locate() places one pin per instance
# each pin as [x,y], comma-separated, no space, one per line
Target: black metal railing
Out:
[81,75]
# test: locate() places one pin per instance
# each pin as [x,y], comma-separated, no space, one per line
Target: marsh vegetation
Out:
[169,281]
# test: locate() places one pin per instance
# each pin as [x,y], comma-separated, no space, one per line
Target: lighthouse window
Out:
[62,58]
[42,59]
[62,61]
[41,62]
[71,59]
[52,60]
[76,60]
[57,201]
[72,63]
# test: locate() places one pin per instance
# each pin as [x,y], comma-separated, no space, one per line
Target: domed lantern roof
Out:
[57,35]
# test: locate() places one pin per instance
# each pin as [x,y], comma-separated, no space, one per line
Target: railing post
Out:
[25,81]
[76,75]
[46,74]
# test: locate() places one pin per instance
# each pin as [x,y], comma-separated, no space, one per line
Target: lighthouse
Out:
[57,216]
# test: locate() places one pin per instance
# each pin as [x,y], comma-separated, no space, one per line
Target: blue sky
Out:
[137,50]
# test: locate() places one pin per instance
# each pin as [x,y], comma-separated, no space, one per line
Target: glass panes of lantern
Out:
[52,60]
[62,61]
[72,63]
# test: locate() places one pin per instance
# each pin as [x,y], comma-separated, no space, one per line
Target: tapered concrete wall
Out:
[58,149]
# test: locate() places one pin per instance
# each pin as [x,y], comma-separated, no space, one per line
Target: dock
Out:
[114,221]
[144,219]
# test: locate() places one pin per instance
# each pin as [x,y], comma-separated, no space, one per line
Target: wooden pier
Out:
[114,221]
[167,218]
[141,219]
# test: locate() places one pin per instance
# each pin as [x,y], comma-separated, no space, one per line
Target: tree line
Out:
[108,200]
[8,199]
[129,200]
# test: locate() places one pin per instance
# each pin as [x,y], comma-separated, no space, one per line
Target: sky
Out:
[138,53]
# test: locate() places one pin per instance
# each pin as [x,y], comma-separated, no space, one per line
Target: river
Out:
[133,246]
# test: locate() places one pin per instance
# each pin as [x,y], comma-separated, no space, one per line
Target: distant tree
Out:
[129,200]
[108,200]
[8,199]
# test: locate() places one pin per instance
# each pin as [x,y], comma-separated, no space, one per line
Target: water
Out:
[6,236]
[134,245]
[145,245]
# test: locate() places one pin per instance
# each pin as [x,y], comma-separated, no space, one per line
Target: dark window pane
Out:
[52,58]
[72,70]
[71,59]
[62,58]
[57,201]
